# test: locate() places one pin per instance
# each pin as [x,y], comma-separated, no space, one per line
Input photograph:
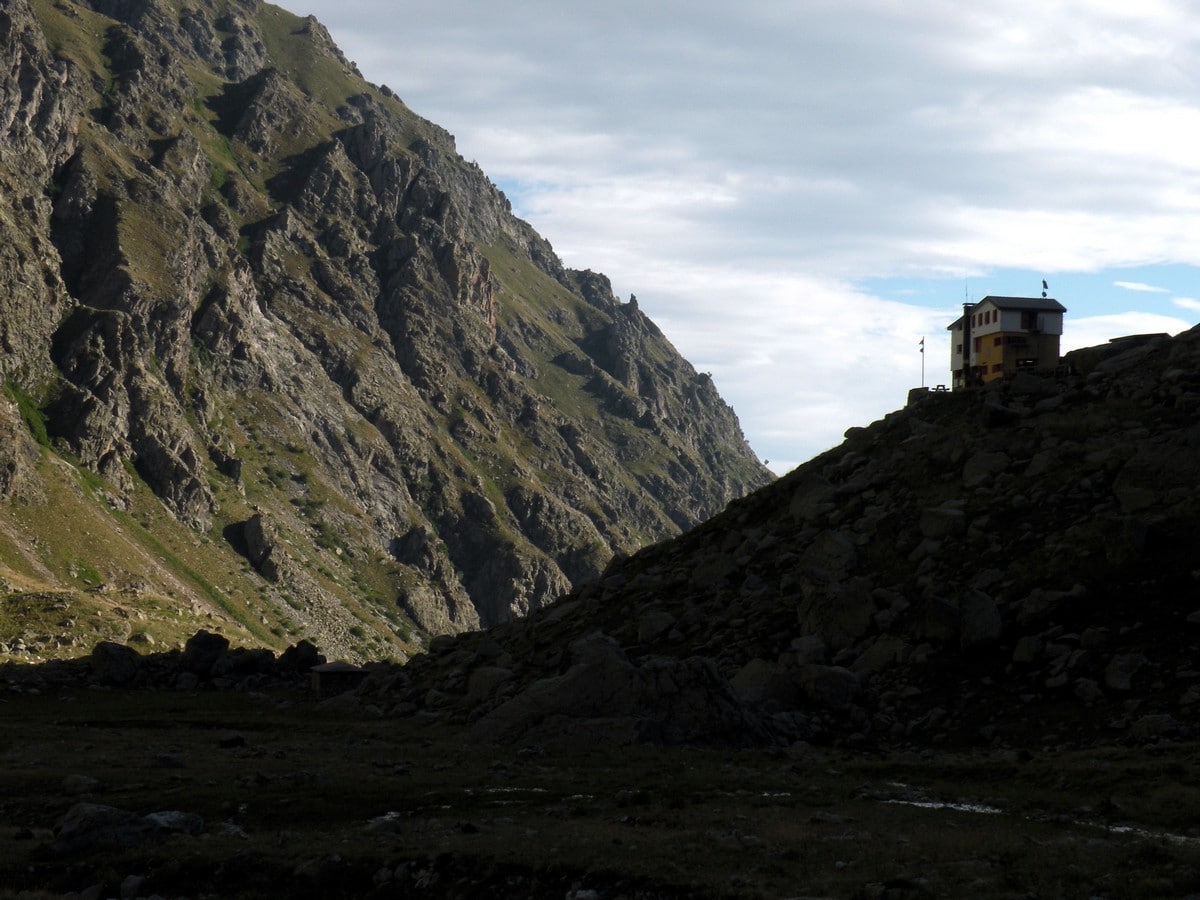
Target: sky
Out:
[799,191]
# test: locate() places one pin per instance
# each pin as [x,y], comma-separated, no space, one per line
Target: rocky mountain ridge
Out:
[1007,566]
[240,283]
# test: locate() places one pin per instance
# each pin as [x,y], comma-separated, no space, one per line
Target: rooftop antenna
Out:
[1045,287]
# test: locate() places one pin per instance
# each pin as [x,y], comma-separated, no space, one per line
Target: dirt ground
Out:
[135,794]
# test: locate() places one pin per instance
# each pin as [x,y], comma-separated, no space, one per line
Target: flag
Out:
[922,345]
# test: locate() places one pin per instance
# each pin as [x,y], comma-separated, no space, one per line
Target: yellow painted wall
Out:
[997,361]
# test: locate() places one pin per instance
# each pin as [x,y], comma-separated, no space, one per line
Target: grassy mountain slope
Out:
[295,357]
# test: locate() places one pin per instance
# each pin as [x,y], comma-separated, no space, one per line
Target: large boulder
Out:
[604,696]
[115,664]
[262,544]
[87,827]
[833,687]
[300,657]
[202,651]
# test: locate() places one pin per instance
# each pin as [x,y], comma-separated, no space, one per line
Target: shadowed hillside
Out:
[1013,565]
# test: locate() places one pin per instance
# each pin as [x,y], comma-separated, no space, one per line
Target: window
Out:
[978,344]
[997,342]
[998,367]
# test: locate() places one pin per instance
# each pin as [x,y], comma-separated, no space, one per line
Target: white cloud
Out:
[1141,287]
[1092,330]
[742,166]
[1187,303]
[804,358]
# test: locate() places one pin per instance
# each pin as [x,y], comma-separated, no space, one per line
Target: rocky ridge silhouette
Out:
[1009,565]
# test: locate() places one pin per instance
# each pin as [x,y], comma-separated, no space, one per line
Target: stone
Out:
[602,696]
[1094,639]
[301,657]
[88,826]
[1121,669]
[484,681]
[115,664]
[812,497]
[186,681]
[131,886]
[261,541]
[834,687]
[653,624]
[1029,647]
[1026,383]
[983,467]
[1089,691]
[1040,604]
[940,522]
[1154,727]
[996,415]
[883,653]
[981,622]
[809,649]
[762,682]
[176,821]
[202,651]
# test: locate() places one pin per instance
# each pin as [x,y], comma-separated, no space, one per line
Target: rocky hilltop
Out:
[1012,564]
[274,354]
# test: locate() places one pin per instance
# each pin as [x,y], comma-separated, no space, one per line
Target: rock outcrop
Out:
[234,272]
[207,661]
[1011,564]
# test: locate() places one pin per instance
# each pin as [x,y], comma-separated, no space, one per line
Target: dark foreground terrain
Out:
[107,793]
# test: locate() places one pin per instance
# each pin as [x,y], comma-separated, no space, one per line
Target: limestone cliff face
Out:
[234,272]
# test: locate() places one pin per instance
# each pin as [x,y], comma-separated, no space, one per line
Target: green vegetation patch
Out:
[77,33]
[31,412]
[292,51]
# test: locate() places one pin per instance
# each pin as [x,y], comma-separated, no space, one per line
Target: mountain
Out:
[963,645]
[276,357]
[1011,565]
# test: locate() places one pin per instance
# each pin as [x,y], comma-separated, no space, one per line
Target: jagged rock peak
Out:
[238,276]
